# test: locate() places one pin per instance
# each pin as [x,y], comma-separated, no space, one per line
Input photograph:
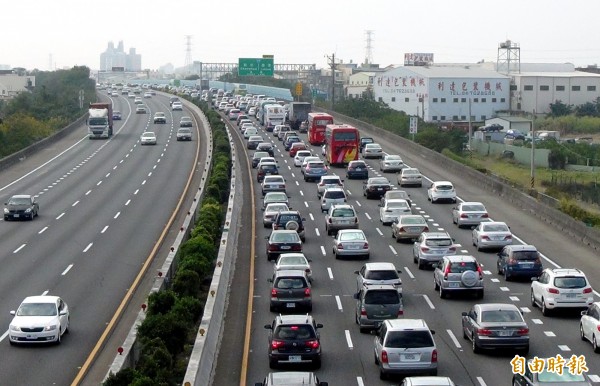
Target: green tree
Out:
[559,109]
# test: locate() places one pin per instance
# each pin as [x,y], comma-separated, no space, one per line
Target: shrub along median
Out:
[167,334]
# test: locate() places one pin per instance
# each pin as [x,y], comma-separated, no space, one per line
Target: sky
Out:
[64,33]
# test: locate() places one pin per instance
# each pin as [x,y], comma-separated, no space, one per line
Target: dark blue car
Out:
[357,170]
[519,261]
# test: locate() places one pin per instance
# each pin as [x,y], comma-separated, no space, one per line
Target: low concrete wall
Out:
[569,226]
[522,154]
[24,153]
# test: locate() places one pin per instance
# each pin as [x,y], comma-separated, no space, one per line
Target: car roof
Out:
[497,306]
[148,133]
[379,287]
[430,381]
[566,271]
[350,231]
[404,324]
[380,266]
[40,299]
[520,247]
[21,196]
[471,203]
[342,206]
[291,272]
[434,235]
[294,319]
[460,258]
[442,183]
[392,200]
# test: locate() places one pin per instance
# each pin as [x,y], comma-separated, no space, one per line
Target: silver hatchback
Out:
[340,216]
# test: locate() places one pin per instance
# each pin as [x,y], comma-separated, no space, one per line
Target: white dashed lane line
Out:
[88,247]
[454,340]
[67,270]
[428,301]
[42,230]
[330,273]
[18,249]
[339,303]
[349,339]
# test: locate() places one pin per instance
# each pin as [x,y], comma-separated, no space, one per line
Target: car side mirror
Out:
[13,313]
[380,205]
[303,219]
[268,327]
[62,313]
[432,332]
[323,384]
[319,325]
[399,271]
[355,296]
[583,313]
[270,280]
[356,272]
[263,209]
[464,314]
[534,278]
[266,237]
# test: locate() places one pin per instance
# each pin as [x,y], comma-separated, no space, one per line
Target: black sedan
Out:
[358,170]
[266,146]
[282,241]
[375,187]
[496,326]
[21,207]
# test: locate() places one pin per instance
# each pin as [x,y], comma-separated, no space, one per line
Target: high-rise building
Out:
[116,57]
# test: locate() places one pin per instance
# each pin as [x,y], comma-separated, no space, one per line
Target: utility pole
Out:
[332,66]
[532,182]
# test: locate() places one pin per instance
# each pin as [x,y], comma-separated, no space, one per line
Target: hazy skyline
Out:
[461,31]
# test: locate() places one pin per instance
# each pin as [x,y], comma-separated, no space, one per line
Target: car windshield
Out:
[382,275]
[316,165]
[410,171]
[501,316]
[444,187]
[463,266]
[303,153]
[184,131]
[382,297]
[393,158]
[331,180]
[285,218]
[397,204]
[473,208]
[551,377]
[268,167]
[525,255]
[276,207]
[408,339]
[275,196]
[294,332]
[273,179]
[412,220]
[285,237]
[290,283]
[352,236]
[19,201]
[379,181]
[292,260]
[334,194]
[260,154]
[37,309]
[438,242]
[358,165]
[343,212]
[570,282]
[495,228]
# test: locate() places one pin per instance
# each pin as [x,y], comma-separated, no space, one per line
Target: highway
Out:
[348,354]
[104,208]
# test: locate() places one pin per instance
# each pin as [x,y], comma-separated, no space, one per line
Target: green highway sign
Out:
[255,66]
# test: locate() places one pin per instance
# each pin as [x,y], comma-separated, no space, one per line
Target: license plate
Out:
[379,188]
[285,247]
[497,238]
[16,216]
[453,285]
[438,252]
[358,169]
[353,246]
[504,333]
[409,357]
[290,305]
[345,222]
[571,295]
[414,229]
[526,265]
[295,358]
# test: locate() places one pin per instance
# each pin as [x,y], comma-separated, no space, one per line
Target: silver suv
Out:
[376,303]
[405,346]
[458,273]
[378,273]
[340,216]
[430,247]
[332,196]
[286,378]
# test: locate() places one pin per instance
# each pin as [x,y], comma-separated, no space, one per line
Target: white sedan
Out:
[372,150]
[39,319]
[392,209]
[589,326]
[300,155]
[441,190]
[492,234]
[293,261]
[469,214]
[148,138]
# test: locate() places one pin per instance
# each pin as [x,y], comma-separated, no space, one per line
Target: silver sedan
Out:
[409,227]
[469,213]
[351,243]
[492,234]
[391,163]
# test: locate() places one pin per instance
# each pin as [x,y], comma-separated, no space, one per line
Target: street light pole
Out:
[533,151]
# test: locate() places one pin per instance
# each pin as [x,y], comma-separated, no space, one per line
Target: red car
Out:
[295,147]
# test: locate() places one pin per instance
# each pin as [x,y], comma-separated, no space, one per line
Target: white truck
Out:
[100,120]
[274,115]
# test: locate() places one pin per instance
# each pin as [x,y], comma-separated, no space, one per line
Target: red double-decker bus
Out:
[316,127]
[342,144]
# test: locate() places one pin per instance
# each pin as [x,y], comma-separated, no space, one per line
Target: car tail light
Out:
[272,248]
[384,357]
[446,272]
[363,312]
[485,215]
[273,293]
[307,270]
[484,331]
[312,343]
[424,249]
[366,246]
[340,246]
[401,229]
[356,220]
[426,229]
[307,292]
[400,313]
[484,237]
[598,327]
[452,249]
[321,183]
[512,260]
[553,291]
[508,237]
[296,247]
[523,331]
[464,215]
[479,271]
[329,221]
[434,356]
[587,290]
[275,226]
[276,344]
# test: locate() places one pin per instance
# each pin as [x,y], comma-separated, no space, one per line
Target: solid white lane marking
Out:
[358,203]
[393,250]
[60,215]
[339,303]
[429,302]
[454,340]
[104,229]
[117,215]
[349,339]
[67,270]
[18,249]
[409,273]
[537,321]
[549,333]
[323,250]
[42,230]
[88,247]
[330,273]
[379,231]
[317,232]
[75,203]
